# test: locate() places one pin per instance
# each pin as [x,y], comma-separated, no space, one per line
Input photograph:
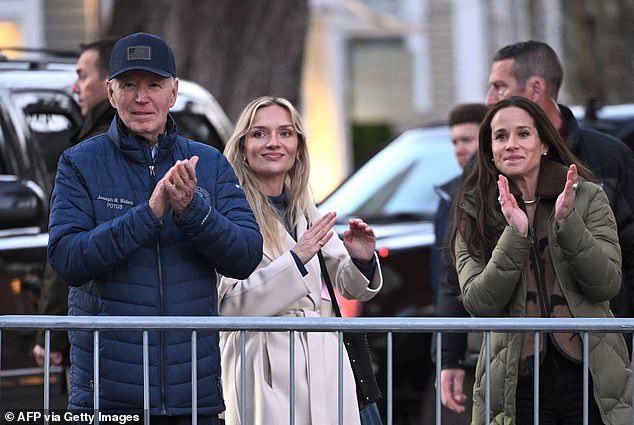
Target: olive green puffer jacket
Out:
[587,260]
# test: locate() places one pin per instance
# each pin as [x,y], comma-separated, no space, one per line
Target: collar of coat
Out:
[551,181]
[96,121]
[137,148]
[571,132]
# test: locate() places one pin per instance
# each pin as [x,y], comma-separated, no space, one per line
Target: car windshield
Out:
[52,118]
[398,182]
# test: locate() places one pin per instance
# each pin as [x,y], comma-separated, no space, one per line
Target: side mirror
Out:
[22,205]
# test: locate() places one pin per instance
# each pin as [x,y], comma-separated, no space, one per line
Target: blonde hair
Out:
[298,195]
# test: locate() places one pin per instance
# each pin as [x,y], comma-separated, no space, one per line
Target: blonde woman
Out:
[269,154]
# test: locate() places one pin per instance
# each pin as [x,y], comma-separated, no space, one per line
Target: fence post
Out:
[243,378]
[47,373]
[438,355]
[291,345]
[95,355]
[536,379]
[390,378]
[194,379]
[146,378]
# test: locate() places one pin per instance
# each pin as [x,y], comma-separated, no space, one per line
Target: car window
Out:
[199,116]
[53,119]
[7,133]
[398,181]
[197,127]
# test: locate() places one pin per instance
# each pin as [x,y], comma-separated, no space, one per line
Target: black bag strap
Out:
[358,350]
[331,290]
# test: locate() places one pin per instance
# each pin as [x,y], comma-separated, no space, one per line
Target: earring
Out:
[492,159]
[545,153]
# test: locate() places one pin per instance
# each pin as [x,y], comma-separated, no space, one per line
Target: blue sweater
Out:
[119,259]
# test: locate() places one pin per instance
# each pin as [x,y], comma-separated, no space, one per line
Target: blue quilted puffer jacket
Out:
[120,260]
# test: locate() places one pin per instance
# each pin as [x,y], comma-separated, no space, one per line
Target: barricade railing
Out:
[389,326]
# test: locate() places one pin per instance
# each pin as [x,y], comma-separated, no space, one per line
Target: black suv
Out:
[38,117]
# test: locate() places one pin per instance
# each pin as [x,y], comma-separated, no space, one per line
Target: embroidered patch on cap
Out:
[139,53]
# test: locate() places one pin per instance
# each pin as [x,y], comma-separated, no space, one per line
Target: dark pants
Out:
[560,393]
[183,420]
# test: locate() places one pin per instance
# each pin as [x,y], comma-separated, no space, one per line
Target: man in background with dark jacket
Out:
[141,221]
[91,88]
[91,92]
[532,69]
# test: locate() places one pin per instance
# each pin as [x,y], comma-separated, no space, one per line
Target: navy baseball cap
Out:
[142,51]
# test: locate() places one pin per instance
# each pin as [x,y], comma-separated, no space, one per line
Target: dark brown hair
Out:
[482,231]
[104,51]
[467,113]
[533,59]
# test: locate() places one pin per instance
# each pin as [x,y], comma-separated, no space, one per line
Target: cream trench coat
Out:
[277,288]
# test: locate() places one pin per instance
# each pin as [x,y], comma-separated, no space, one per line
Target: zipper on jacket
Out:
[161,365]
[539,276]
[151,160]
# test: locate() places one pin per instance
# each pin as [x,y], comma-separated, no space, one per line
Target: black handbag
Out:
[358,349]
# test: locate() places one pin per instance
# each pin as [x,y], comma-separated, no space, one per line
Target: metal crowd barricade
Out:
[389,326]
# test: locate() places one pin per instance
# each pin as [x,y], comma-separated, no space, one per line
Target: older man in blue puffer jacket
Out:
[141,220]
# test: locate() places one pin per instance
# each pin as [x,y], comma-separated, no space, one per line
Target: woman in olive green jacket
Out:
[534,237]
